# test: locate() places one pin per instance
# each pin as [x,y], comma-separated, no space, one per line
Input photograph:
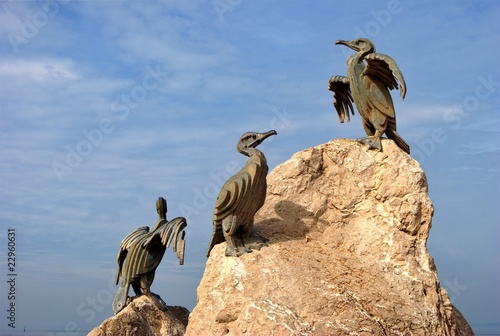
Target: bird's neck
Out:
[356,58]
[355,66]
[255,154]
[248,151]
[158,224]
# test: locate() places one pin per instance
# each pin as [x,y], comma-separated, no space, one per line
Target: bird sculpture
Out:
[141,252]
[370,76]
[241,196]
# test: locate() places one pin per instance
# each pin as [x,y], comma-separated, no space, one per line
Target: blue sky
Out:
[107,105]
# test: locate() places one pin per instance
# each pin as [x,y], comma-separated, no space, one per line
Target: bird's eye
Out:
[254,136]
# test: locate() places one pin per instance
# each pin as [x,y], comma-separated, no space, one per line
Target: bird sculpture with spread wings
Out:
[370,76]
[141,252]
[241,196]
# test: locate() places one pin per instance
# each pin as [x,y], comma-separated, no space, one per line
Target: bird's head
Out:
[251,140]
[362,45]
[161,207]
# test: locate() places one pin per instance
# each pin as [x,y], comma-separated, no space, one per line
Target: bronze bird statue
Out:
[370,76]
[141,252]
[240,198]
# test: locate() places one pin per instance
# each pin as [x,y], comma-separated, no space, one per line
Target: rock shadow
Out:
[293,222]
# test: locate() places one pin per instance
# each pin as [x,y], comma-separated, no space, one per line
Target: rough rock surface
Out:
[143,317]
[347,253]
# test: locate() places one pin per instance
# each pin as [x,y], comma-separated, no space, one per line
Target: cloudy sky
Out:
[107,105]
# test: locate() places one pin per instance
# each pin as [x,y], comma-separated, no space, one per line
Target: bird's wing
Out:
[232,195]
[226,203]
[342,96]
[125,245]
[385,68]
[154,233]
[173,233]
[133,236]
[168,233]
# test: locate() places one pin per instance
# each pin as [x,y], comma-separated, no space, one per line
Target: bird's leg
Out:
[373,141]
[158,300]
[146,281]
[235,246]
[234,241]
[254,241]
[136,286]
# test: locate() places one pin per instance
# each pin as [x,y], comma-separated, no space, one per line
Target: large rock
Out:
[347,253]
[142,317]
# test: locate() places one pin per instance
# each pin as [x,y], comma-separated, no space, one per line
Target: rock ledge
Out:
[143,317]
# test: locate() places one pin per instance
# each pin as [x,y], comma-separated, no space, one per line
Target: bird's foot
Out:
[373,142]
[236,251]
[255,242]
[158,300]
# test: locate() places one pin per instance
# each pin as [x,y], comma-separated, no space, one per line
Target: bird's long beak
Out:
[347,44]
[261,137]
[268,134]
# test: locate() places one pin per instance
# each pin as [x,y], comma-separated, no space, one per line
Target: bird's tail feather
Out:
[393,135]
[120,299]
[217,237]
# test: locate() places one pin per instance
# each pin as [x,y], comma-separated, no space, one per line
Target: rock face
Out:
[347,254]
[143,317]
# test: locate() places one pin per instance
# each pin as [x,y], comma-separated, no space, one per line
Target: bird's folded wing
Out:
[386,69]
[232,195]
[342,97]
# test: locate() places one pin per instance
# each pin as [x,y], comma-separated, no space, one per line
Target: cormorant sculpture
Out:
[141,252]
[368,85]
[240,198]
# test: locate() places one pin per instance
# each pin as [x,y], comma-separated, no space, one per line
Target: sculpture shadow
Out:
[293,222]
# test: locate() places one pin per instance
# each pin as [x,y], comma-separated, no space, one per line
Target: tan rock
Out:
[347,254]
[142,317]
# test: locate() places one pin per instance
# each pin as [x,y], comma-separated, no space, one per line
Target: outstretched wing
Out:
[385,69]
[342,96]
[125,245]
[171,233]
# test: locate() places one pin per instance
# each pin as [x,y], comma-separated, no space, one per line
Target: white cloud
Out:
[480,147]
[46,71]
